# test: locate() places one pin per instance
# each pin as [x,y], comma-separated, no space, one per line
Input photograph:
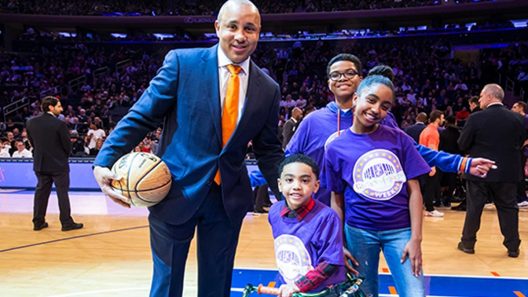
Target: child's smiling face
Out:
[298,183]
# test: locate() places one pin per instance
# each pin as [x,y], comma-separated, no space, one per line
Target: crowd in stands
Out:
[110,78]
[198,7]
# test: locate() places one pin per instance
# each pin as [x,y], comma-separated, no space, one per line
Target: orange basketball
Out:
[144,178]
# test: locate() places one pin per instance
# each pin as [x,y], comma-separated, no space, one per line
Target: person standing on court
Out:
[291,125]
[211,102]
[50,139]
[498,134]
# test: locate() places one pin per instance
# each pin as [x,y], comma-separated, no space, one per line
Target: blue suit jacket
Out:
[184,95]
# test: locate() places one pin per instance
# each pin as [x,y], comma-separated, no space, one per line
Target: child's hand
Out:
[348,256]
[287,290]
[413,249]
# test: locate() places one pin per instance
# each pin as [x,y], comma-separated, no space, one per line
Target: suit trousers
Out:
[217,239]
[42,193]
[504,195]
[431,189]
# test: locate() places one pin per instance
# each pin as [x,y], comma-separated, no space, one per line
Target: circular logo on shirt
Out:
[378,175]
[292,257]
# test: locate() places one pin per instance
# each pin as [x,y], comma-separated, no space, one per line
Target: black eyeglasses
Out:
[349,74]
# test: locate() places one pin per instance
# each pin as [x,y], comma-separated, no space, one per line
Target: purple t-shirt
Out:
[372,170]
[314,130]
[301,245]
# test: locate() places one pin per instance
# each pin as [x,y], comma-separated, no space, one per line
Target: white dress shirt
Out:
[223,76]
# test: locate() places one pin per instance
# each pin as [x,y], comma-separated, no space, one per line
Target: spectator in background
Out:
[146,145]
[462,115]
[496,133]
[448,143]
[98,145]
[4,149]
[520,108]
[95,132]
[415,130]
[25,139]
[430,137]
[79,148]
[291,125]
[21,151]
[474,104]
[11,140]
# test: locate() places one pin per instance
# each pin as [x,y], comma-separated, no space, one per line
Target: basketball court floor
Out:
[111,255]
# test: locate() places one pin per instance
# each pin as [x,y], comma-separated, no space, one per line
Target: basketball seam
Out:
[128,178]
[136,191]
[152,189]
[145,174]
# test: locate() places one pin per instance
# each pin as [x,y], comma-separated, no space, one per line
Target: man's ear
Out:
[217,28]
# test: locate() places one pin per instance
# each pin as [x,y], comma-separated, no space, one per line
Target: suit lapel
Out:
[211,88]
[251,100]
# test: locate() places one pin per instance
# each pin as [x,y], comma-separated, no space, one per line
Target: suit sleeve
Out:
[444,161]
[287,132]
[267,146]
[145,115]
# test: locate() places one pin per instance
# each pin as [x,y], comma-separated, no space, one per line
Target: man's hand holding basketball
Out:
[104,177]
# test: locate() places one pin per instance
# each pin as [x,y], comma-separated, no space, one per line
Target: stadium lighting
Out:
[519,23]
[118,35]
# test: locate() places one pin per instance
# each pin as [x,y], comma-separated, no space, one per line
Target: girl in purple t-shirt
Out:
[372,171]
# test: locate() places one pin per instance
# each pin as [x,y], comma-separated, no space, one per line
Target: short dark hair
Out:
[421,117]
[47,102]
[522,104]
[435,114]
[474,100]
[345,57]
[450,119]
[300,158]
[382,70]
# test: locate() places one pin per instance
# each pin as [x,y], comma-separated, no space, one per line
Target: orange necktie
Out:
[230,110]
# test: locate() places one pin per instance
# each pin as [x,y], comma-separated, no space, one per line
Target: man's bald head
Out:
[231,3]
[491,93]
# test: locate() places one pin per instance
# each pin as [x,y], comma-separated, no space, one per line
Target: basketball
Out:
[144,178]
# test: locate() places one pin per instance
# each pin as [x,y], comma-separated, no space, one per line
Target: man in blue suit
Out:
[188,95]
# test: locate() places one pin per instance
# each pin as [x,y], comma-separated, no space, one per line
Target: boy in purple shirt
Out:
[372,171]
[308,234]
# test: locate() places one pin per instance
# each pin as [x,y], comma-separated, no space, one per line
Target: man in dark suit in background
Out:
[291,125]
[415,130]
[192,95]
[473,103]
[498,134]
[449,143]
[50,139]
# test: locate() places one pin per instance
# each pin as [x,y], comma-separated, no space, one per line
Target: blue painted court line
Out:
[435,285]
